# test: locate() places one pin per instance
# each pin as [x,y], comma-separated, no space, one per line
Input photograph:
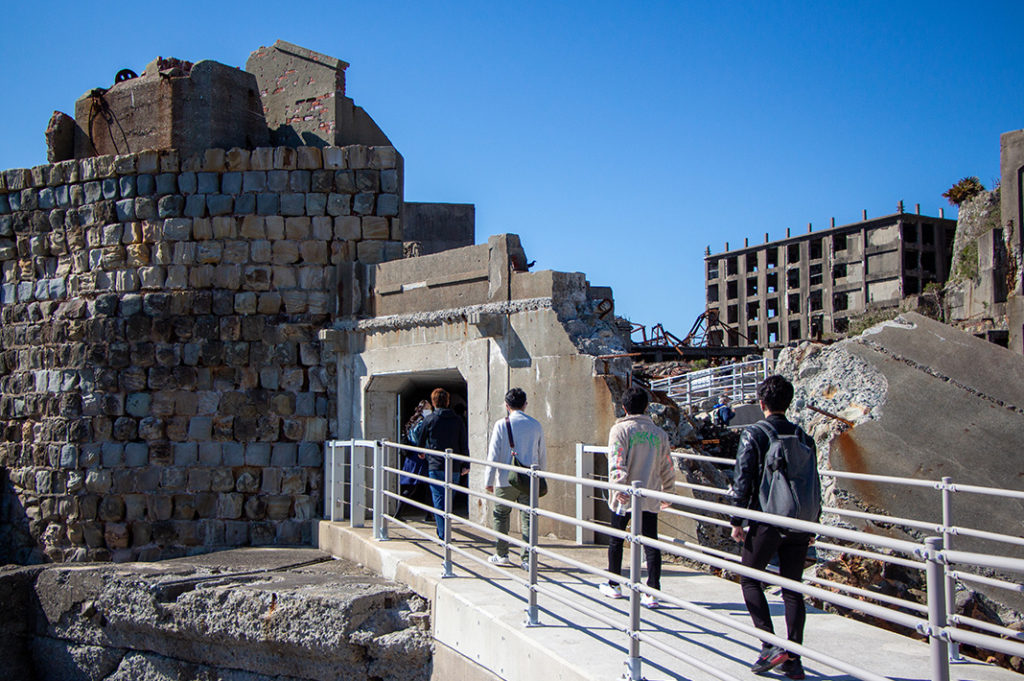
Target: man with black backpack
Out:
[776,472]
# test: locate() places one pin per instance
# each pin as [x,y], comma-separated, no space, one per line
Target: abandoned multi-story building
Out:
[805,286]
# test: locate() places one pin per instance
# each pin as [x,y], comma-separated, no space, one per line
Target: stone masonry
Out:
[162,388]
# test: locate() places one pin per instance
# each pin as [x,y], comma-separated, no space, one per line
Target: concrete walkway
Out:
[479,620]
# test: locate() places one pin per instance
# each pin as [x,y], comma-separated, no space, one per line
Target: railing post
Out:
[357,487]
[633,664]
[935,573]
[447,514]
[584,505]
[380,532]
[531,613]
[947,543]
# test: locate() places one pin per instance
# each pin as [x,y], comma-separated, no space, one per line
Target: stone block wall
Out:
[162,387]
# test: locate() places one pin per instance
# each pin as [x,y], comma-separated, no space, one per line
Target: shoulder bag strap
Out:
[511,440]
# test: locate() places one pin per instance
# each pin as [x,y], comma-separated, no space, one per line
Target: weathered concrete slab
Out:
[247,614]
[928,401]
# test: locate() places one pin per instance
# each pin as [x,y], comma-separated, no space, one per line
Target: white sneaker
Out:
[649,601]
[501,561]
[609,591]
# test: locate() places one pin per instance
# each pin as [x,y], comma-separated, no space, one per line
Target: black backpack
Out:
[790,485]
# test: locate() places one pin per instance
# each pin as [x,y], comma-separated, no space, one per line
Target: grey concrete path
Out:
[479,620]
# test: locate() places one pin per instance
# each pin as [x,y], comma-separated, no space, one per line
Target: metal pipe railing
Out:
[933,556]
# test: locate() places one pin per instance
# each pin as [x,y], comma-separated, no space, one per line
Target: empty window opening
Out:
[752,286]
[731,266]
[911,285]
[753,310]
[751,262]
[949,236]
[752,335]
[838,271]
[731,314]
[814,301]
[816,248]
[713,293]
[910,260]
[840,301]
[928,234]
[713,270]
[794,329]
[793,303]
[840,325]
[731,290]
[732,337]
[771,257]
[910,233]
[815,275]
[773,333]
[838,242]
[793,278]
[772,308]
[928,262]
[771,283]
[793,253]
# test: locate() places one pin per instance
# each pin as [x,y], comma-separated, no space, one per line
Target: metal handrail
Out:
[945,528]
[937,627]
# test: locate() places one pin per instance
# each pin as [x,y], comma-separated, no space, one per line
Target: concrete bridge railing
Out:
[361,477]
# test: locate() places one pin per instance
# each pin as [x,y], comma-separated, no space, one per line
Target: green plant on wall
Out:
[967,262]
[967,188]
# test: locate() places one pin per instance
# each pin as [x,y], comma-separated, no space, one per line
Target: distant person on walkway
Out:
[413,462]
[442,430]
[723,412]
[762,541]
[637,450]
[528,437]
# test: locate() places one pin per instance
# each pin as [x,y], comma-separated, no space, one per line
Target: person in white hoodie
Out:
[528,438]
[637,450]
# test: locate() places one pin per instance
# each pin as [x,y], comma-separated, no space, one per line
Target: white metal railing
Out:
[932,620]
[738,381]
[944,527]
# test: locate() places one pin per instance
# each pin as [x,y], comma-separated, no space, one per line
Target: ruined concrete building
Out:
[187,313]
[805,286]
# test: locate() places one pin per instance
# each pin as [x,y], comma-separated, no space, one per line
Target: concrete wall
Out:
[1012,210]
[303,96]
[162,387]
[500,329]
[191,109]
[440,226]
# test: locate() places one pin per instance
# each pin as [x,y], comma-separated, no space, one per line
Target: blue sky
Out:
[616,138]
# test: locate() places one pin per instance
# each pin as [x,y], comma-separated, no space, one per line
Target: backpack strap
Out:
[765,426]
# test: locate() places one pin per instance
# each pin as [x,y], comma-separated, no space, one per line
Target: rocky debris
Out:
[60,137]
[238,615]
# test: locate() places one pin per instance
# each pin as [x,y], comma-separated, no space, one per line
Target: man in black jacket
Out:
[762,541]
[442,430]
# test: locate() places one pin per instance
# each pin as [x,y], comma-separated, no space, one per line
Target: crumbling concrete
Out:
[303,96]
[173,105]
[927,401]
[240,615]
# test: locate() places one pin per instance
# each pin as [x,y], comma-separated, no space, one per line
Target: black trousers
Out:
[648,528]
[763,542]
